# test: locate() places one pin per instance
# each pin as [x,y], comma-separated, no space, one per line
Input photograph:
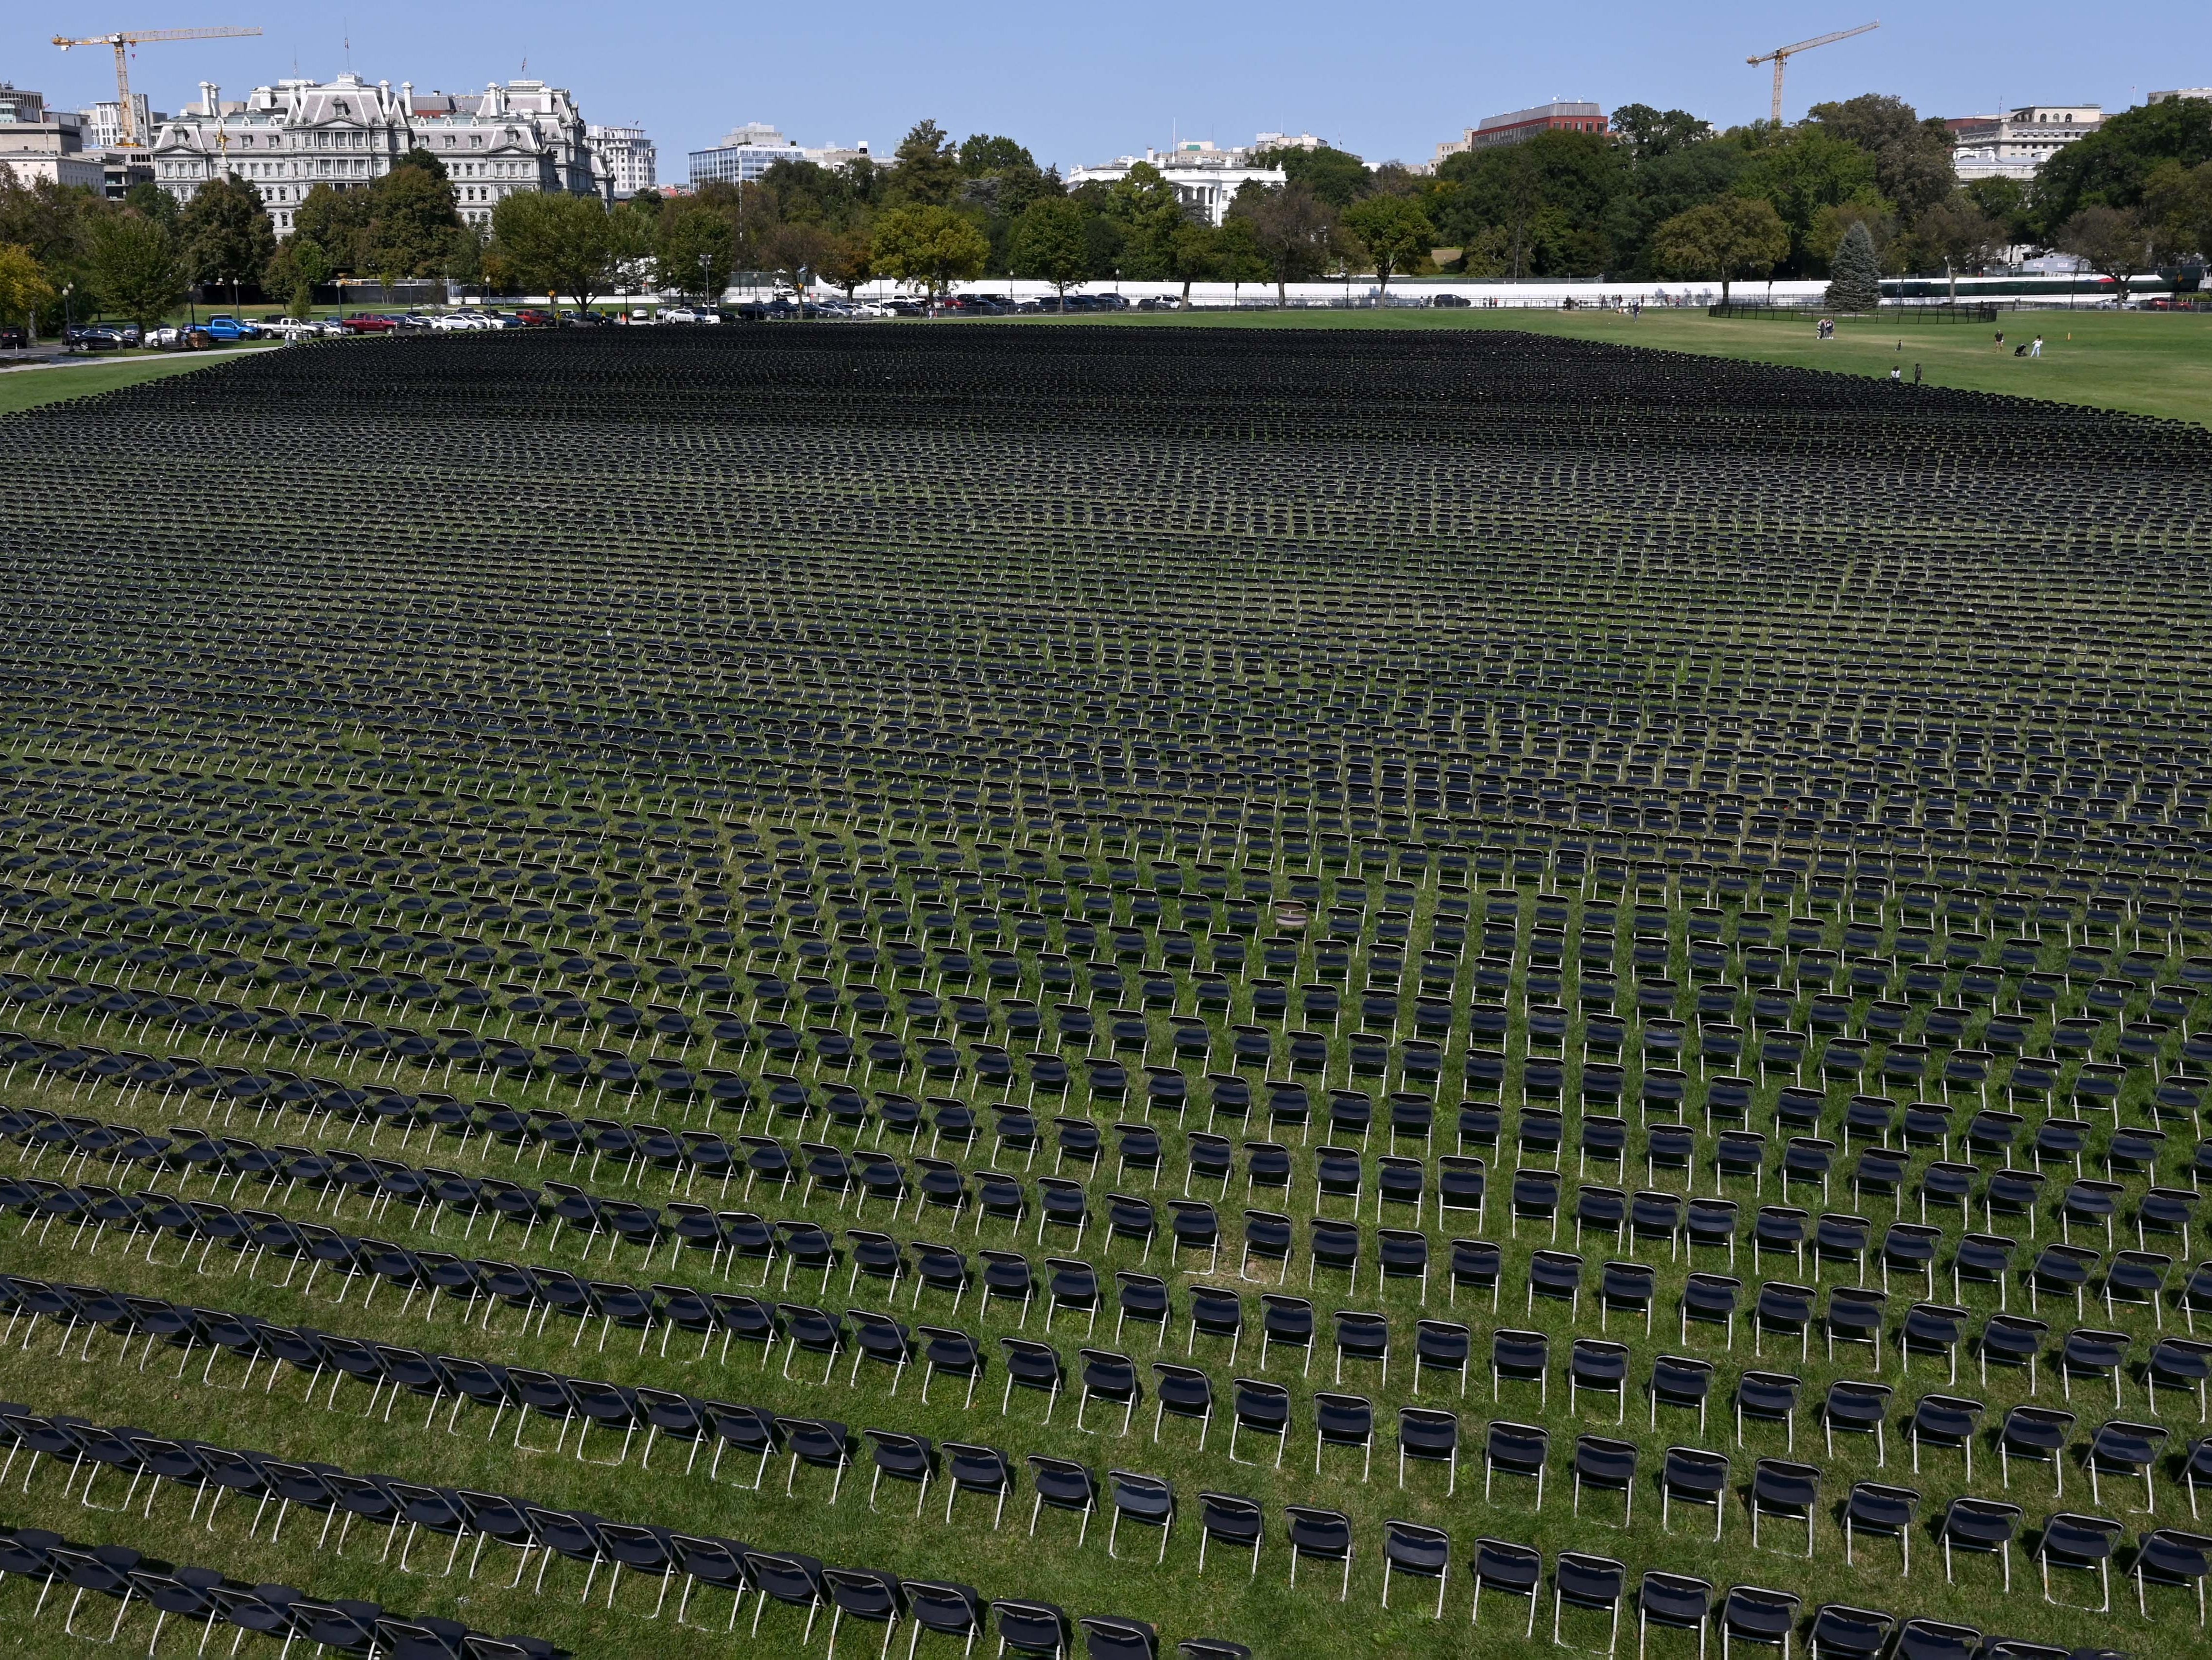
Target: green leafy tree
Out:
[2178,208]
[1855,274]
[1238,256]
[465,255]
[423,160]
[337,221]
[1554,196]
[927,170]
[1000,198]
[1955,236]
[561,244]
[150,199]
[697,248]
[2114,241]
[1650,135]
[54,221]
[798,193]
[796,253]
[137,268]
[1735,236]
[1293,228]
[2113,165]
[297,268]
[1490,254]
[983,154]
[1049,245]
[1832,225]
[1335,177]
[1148,213]
[1103,234]
[1195,255]
[1673,180]
[848,261]
[1912,157]
[227,234]
[1394,230]
[411,219]
[630,246]
[25,287]
[928,248]
[1802,169]
[2004,200]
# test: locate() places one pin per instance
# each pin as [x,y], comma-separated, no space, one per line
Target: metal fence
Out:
[1976,311]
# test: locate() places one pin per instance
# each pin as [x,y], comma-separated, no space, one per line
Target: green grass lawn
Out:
[2143,362]
[27,389]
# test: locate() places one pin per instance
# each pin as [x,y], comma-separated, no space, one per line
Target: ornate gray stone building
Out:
[288,139]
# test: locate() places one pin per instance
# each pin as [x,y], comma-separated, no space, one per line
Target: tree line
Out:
[1664,195]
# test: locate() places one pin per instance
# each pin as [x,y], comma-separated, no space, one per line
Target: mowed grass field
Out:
[2141,362]
[28,388]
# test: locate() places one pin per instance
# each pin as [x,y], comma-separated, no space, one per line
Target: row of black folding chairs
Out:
[1649,1030]
[1286,1100]
[1540,1134]
[1074,1284]
[700,1563]
[2164,1558]
[801,893]
[193,1594]
[1261,1408]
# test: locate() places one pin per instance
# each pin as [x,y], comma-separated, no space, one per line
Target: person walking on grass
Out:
[2035,347]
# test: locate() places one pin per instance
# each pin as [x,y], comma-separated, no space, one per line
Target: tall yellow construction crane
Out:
[1781,55]
[123,40]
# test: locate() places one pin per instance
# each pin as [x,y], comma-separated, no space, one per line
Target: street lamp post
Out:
[69,319]
[706,280]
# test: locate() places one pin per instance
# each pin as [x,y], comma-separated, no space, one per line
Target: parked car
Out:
[586,320]
[417,319]
[371,322]
[1159,302]
[535,319]
[13,338]
[223,327]
[1112,301]
[97,337]
[191,338]
[1449,301]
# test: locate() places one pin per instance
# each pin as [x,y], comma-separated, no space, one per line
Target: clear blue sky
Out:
[1087,82]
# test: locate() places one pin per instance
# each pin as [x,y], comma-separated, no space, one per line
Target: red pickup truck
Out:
[369,322]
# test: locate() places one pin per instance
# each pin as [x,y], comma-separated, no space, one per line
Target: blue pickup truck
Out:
[230,328]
